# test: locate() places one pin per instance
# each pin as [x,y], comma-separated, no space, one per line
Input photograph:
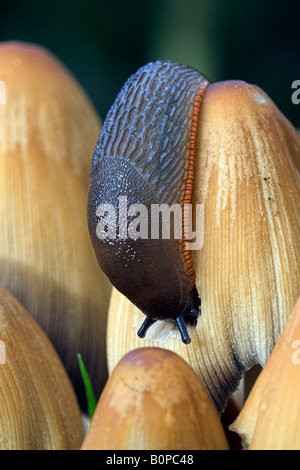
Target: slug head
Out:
[148,271]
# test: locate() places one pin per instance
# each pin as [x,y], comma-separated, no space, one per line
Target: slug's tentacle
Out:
[179,321]
[145,153]
[182,328]
[145,326]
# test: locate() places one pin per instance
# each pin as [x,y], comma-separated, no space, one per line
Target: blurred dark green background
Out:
[103,41]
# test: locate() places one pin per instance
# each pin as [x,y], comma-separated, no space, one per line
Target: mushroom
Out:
[270,418]
[247,166]
[153,400]
[49,129]
[38,406]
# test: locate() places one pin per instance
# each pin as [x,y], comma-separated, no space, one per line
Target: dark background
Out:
[103,41]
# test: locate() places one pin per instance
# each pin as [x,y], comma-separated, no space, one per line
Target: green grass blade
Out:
[90,396]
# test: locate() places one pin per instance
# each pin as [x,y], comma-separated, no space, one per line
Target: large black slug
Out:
[144,158]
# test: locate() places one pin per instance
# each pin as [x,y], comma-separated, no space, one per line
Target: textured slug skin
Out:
[145,152]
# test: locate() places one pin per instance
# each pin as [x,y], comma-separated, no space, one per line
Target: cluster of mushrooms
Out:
[55,303]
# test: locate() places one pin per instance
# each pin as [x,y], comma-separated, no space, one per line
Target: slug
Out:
[144,159]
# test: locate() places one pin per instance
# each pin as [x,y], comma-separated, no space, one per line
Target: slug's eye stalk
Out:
[145,326]
[180,322]
[182,328]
